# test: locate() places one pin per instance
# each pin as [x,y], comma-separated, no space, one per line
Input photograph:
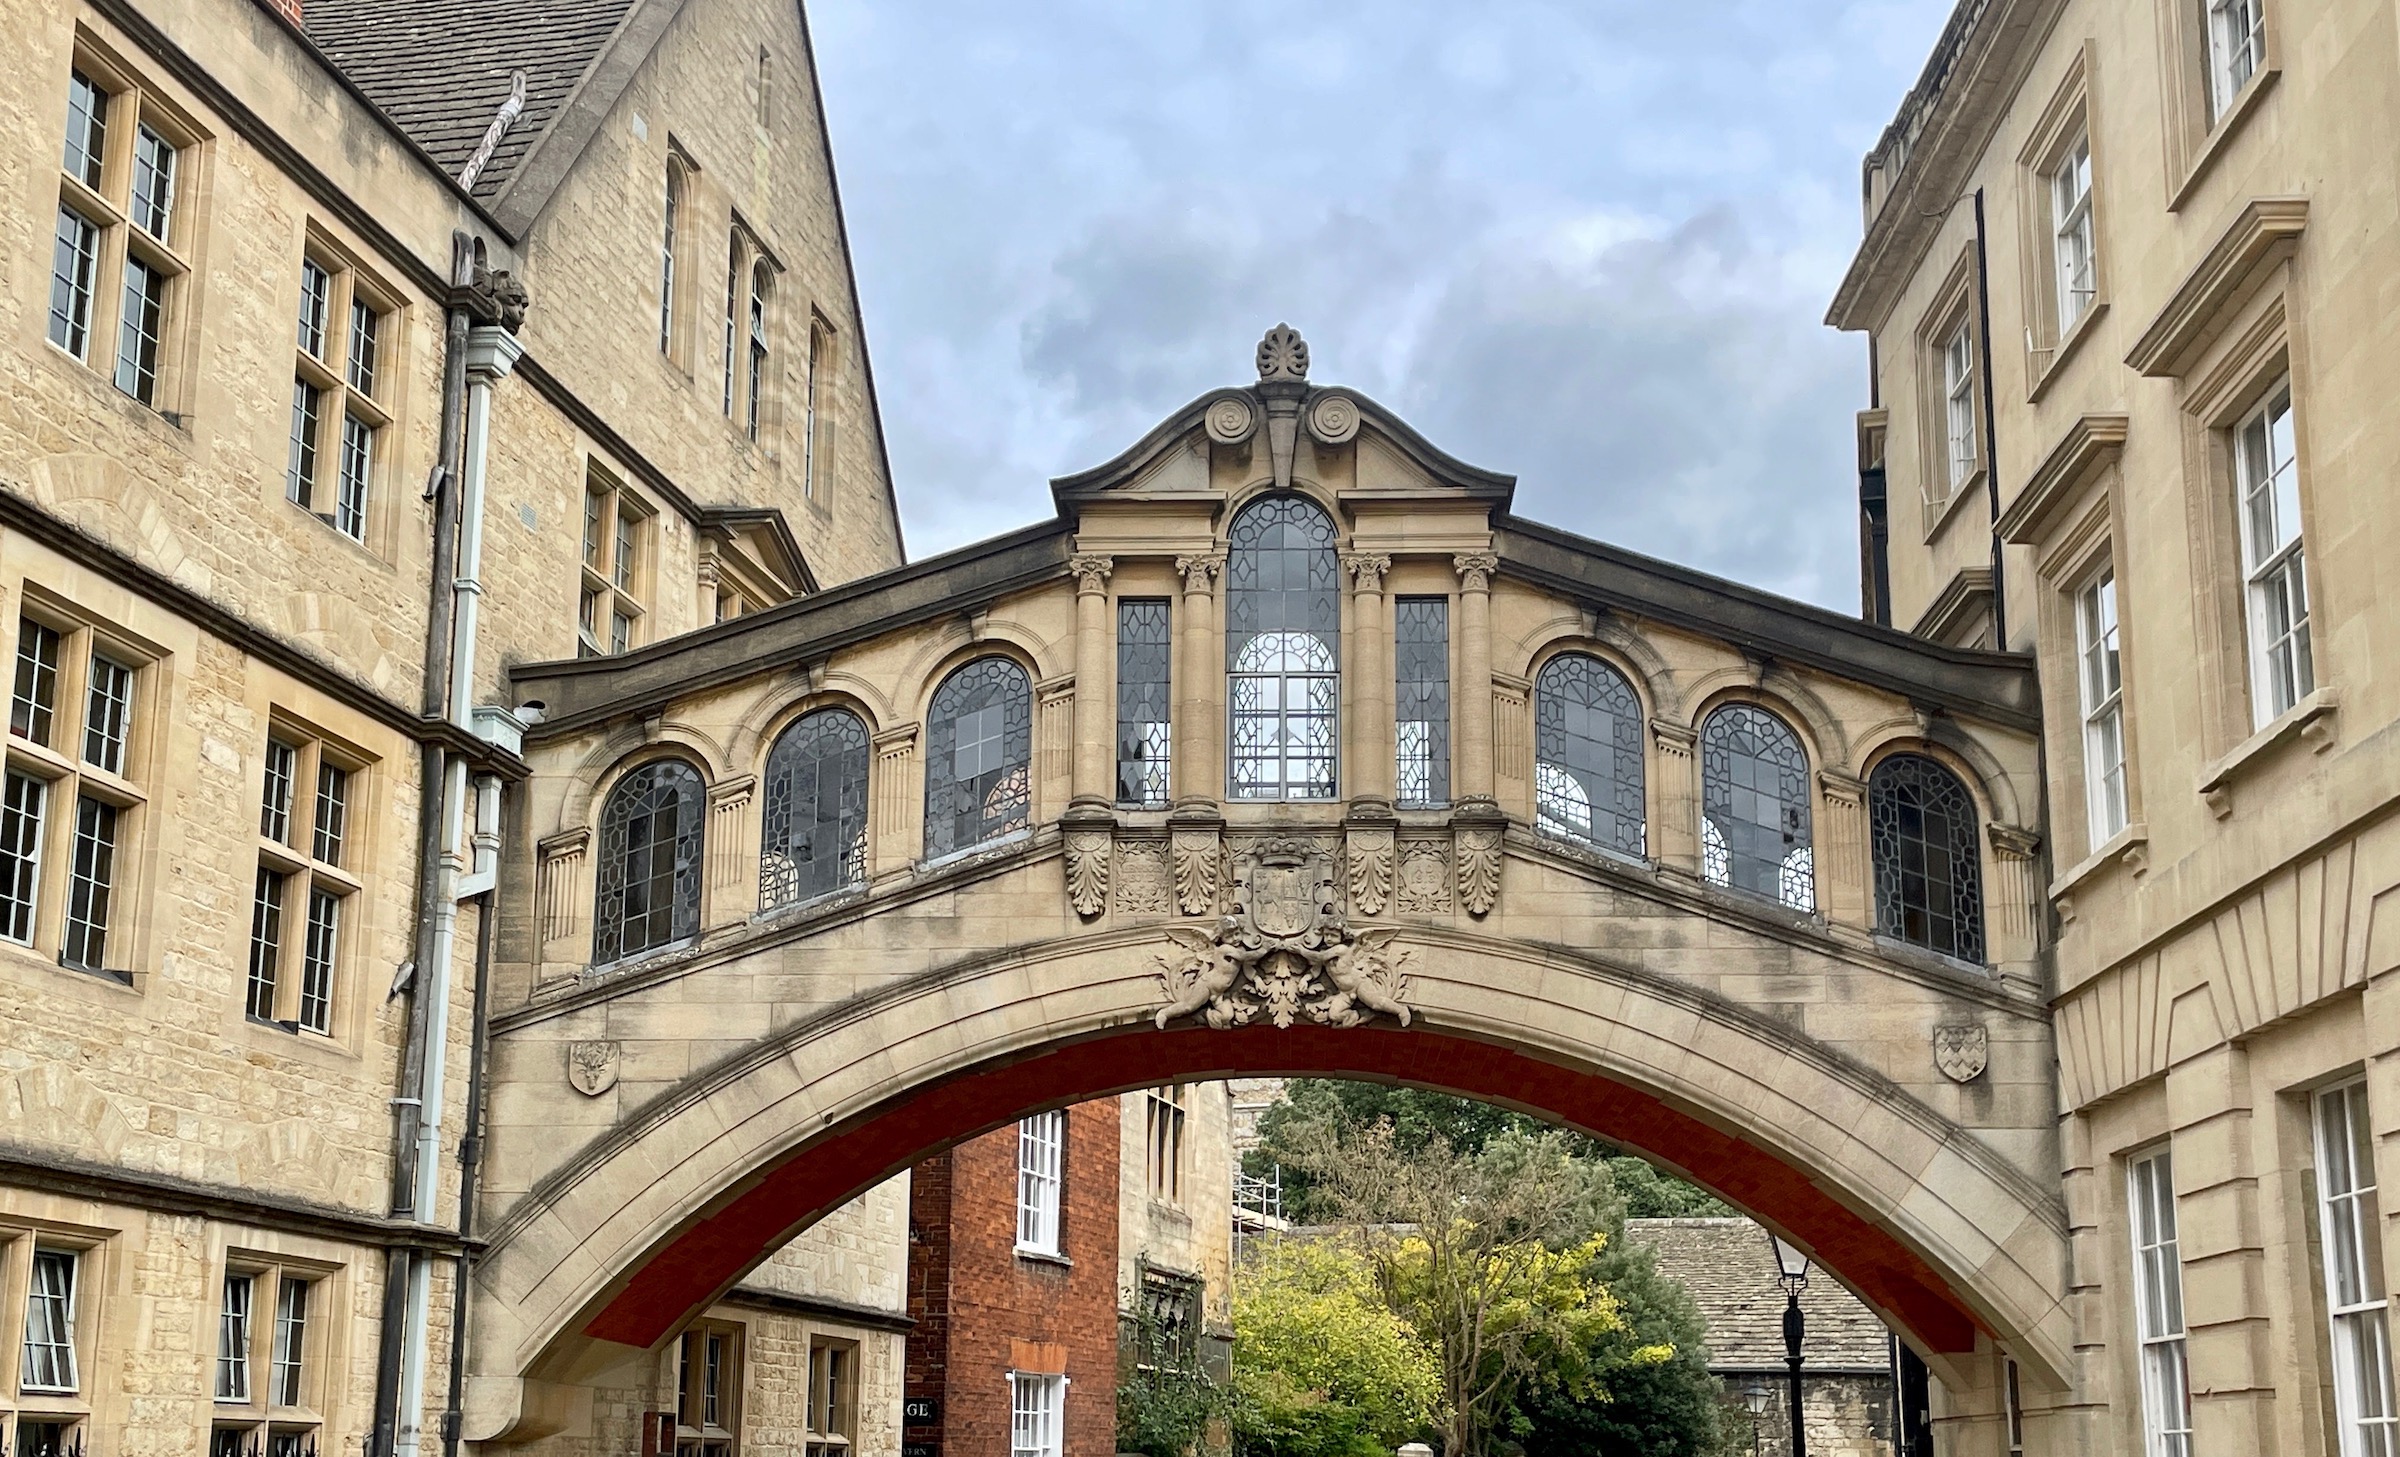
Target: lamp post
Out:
[1791,1272]
[1756,1396]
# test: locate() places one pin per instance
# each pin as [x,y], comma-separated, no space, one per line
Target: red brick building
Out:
[1012,1283]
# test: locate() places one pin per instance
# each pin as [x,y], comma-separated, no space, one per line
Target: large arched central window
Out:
[648,893]
[1587,753]
[1928,870]
[1283,625]
[978,757]
[1754,806]
[813,835]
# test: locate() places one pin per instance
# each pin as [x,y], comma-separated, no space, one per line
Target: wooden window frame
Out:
[1166,1129]
[260,1421]
[334,374]
[92,1251]
[295,863]
[695,1434]
[611,590]
[831,1431]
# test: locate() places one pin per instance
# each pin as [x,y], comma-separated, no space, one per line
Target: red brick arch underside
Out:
[679,1279]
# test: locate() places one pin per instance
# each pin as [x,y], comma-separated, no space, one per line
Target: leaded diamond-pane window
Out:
[1421,686]
[1928,873]
[1587,750]
[1754,806]
[1145,728]
[649,887]
[978,757]
[814,836]
[1282,637]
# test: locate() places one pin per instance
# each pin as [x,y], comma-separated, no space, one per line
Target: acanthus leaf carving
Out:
[1479,869]
[1286,955]
[1197,858]
[1087,871]
[1371,870]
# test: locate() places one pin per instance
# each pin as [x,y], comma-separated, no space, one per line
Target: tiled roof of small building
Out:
[440,68]
[1730,1272]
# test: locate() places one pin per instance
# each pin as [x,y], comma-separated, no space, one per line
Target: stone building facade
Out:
[2126,275]
[1175,1223]
[292,467]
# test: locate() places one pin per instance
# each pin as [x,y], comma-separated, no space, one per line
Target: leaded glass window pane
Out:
[1145,728]
[1587,749]
[1754,828]
[649,887]
[1282,645]
[978,757]
[1421,698]
[91,885]
[1928,870]
[72,261]
[814,836]
[87,129]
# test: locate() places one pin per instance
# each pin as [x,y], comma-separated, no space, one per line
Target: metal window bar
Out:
[761,281]
[33,706]
[366,342]
[91,885]
[316,289]
[813,828]
[666,263]
[1145,701]
[1587,746]
[357,470]
[1421,696]
[286,1365]
[333,812]
[1928,867]
[72,264]
[733,317]
[300,464]
[649,874]
[1282,651]
[1754,806]
[979,741]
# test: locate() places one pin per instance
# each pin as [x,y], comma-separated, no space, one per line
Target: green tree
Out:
[1634,1404]
[1322,1367]
[1166,1404]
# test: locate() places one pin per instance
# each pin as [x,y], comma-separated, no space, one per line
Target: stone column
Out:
[1199,765]
[2012,897]
[732,852]
[566,899]
[1474,711]
[1845,891]
[895,838]
[1091,780]
[1678,797]
[1369,743]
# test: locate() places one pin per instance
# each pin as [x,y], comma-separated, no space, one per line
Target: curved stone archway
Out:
[620,1247]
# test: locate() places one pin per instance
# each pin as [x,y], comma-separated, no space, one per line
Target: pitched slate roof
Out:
[1727,1267]
[440,68]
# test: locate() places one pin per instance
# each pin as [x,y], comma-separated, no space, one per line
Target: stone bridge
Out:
[1283,748]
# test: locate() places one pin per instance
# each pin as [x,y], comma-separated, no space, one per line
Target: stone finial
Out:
[1283,354]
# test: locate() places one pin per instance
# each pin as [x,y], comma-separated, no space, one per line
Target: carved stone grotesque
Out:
[1287,954]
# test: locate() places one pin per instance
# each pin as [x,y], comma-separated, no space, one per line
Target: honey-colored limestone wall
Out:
[1190,1235]
[2254,891]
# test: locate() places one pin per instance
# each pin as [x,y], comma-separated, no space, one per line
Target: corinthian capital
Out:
[1475,569]
[1091,572]
[1367,569]
[1199,571]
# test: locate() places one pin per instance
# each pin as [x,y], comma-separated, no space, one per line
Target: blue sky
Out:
[1587,243]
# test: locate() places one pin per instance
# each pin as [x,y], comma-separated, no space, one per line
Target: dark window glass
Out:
[266,944]
[978,757]
[71,264]
[87,129]
[366,337]
[1421,698]
[813,836]
[108,714]
[316,288]
[317,951]
[649,890]
[91,885]
[1145,728]
[1587,750]
[333,812]
[137,333]
[358,464]
[34,705]
[1928,870]
[153,182]
[761,280]
[1754,806]
[22,799]
[1282,644]
[275,801]
[300,470]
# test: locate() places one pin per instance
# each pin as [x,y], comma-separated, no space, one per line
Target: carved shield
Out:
[592,1067]
[1961,1051]
[1283,898]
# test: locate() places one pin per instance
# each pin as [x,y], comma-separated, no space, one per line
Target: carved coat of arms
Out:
[1286,955]
[592,1067]
[1961,1051]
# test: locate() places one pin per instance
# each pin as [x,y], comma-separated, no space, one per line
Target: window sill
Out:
[2064,350]
[1034,1256]
[2129,847]
[1947,507]
[2312,720]
[980,847]
[2204,161]
[32,957]
[339,535]
[1909,953]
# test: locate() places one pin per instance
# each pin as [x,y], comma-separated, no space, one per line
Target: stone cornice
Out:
[2090,445]
[1968,589]
[2262,235]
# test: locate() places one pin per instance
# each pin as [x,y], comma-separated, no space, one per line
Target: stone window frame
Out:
[92,1250]
[349,389]
[69,778]
[309,866]
[1166,1141]
[831,1429]
[614,591]
[700,1432]
[820,412]
[2069,117]
[2346,1318]
[1145,727]
[2199,125]
[2157,1440]
[1796,879]
[136,103]
[1642,782]
[747,400]
[261,1421]
[1951,314]
[814,720]
[1974,856]
[675,274]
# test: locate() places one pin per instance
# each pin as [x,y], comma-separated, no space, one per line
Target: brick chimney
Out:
[289,10]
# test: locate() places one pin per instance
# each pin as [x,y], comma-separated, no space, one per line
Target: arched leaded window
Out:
[813,832]
[1283,626]
[978,757]
[1587,752]
[649,881]
[1928,870]
[1754,806]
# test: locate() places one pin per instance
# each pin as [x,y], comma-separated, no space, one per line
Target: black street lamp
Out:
[1791,1272]
[1756,1396]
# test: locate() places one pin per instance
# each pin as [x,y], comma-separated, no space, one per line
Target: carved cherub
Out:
[1361,976]
[1210,967]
